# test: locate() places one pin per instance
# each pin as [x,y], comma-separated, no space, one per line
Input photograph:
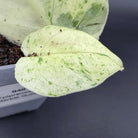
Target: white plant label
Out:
[15,93]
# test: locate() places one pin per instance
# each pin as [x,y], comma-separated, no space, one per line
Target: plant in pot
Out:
[56,44]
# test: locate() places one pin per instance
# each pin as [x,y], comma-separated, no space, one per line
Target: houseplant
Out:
[20,18]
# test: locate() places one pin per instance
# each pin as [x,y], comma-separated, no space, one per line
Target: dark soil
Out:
[9,52]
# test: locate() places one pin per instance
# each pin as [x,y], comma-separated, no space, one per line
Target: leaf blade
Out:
[66,62]
[59,75]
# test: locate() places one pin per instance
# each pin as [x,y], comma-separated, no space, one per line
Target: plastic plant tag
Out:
[13,97]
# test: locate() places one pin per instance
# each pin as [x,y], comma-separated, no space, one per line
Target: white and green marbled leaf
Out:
[87,15]
[18,19]
[67,61]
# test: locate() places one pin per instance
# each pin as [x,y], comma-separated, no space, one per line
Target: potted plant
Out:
[20,18]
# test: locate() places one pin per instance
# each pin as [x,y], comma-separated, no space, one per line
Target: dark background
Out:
[108,111]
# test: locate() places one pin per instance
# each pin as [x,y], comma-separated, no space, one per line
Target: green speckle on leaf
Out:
[101,73]
[66,63]
[67,89]
[81,64]
[85,1]
[77,83]
[79,58]
[87,71]
[50,17]
[28,70]
[51,94]
[28,40]
[71,68]
[40,60]
[49,14]
[94,84]
[75,23]
[86,75]
[49,82]
[80,6]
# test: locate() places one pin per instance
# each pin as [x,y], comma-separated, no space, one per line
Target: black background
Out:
[108,111]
